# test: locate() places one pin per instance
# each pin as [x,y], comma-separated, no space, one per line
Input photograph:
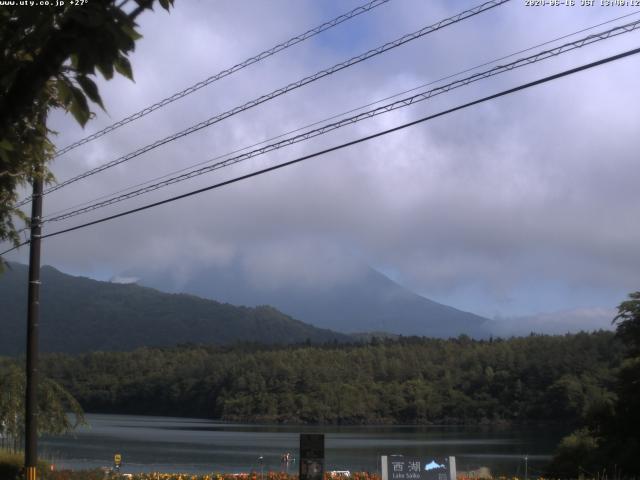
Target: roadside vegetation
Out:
[12,465]
[59,412]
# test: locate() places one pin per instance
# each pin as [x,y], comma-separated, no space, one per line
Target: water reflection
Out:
[194,445]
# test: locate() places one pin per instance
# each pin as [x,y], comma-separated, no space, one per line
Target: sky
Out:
[521,209]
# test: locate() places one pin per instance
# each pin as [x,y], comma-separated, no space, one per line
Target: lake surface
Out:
[197,446]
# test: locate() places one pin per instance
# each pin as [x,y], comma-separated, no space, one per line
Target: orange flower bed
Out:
[68,475]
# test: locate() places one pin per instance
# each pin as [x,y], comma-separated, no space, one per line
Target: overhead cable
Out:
[332,117]
[405,102]
[281,91]
[509,91]
[225,73]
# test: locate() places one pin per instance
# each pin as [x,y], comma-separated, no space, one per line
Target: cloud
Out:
[124,280]
[493,209]
[324,265]
[568,321]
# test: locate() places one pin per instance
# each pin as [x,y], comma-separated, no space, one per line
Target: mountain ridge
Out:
[368,302]
[79,314]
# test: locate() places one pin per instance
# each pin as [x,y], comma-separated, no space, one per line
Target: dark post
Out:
[33,313]
[311,456]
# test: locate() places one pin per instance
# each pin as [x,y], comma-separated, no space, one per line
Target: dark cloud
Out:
[491,209]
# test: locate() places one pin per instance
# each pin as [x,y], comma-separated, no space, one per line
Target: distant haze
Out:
[363,301]
[367,302]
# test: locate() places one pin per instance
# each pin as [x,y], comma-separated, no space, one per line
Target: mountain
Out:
[368,302]
[79,314]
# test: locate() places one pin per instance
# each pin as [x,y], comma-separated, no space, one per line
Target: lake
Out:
[198,446]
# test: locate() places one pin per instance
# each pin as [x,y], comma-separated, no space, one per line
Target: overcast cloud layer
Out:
[517,208]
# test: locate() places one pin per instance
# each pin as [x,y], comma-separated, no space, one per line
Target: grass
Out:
[12,465]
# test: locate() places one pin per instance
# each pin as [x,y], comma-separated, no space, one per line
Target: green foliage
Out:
[11,465]
[621,434]
[628,320]
[576,455]
[47,59]
[610,437]
[410,380]
[59,412]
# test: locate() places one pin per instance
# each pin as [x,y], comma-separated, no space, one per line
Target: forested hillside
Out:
[410,380]
[80,315]
[368,301]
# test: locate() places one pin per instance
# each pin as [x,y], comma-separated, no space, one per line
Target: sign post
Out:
[311,456]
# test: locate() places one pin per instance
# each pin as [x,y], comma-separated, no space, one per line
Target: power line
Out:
[347,144]
[224,73]
[281,91]
[405,102]
[333,117]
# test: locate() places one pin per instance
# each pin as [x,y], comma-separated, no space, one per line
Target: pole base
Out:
[31,473]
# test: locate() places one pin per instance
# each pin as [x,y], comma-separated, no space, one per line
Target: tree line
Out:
[409,380]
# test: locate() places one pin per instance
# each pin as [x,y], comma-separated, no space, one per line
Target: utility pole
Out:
[526,459]
[33,314]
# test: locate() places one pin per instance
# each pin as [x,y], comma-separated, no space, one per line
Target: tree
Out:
[54,405]
[610,441]
[622,434]
[48,59]
[628,320]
